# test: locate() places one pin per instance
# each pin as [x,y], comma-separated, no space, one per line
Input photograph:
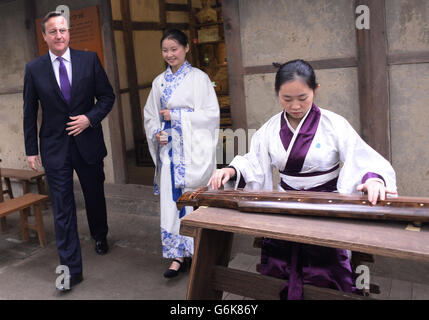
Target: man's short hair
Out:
[49,16]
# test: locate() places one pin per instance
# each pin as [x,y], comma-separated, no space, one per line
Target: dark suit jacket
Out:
[91,95]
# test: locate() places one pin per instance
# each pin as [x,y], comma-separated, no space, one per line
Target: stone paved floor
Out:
[133,268]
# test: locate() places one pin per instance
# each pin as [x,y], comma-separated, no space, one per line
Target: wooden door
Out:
[138,27]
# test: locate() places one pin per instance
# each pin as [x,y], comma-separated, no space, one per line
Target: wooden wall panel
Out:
[282,30]
[121,59]
[144,10]
[409,122]
[149,61]
[231,22]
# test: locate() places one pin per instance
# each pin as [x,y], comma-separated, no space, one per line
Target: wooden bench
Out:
[20,204]
[213,230]
[25,177]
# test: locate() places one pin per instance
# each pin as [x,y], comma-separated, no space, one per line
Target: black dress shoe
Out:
[101,246]
[75,279]
[184,266]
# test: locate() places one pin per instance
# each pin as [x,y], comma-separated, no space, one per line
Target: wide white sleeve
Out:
[255,166]
[359,159]
[152,120]
[199,127]
[206,112]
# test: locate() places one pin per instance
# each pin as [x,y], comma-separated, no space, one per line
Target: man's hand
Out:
[33,162]
[78,124]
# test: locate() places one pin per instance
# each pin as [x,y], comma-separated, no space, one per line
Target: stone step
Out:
[126,198]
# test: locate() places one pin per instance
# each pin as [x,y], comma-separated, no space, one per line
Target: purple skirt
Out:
[301,264]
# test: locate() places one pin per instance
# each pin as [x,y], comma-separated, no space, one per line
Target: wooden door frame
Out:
[127,26]
[116,124]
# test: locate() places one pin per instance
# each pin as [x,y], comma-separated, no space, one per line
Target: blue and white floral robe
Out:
[189,158]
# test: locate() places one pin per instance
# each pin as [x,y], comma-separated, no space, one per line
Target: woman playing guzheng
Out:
[307,144]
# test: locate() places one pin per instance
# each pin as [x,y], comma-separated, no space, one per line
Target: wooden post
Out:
[116,123]
[231,23]
[3,225]
[40,228]
[212,248]
[193,35]
[162,15]
[31,38]
[42,190]
[24,225]
[373,79]
[9,187]
[132,74]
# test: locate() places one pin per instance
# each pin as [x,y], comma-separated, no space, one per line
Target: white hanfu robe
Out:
[189,158]
[309,158]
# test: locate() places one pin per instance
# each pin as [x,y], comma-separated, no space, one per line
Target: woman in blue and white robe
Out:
[182,105]
[313,149]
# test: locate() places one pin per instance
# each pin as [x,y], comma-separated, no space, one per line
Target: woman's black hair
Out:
[175,34]
[295,69]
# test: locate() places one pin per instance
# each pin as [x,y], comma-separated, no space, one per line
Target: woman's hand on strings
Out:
[375,188]
[220,177]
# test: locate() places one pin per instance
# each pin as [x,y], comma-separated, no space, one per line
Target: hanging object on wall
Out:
[207,13]
[208,34]
[221,79]
[221,53]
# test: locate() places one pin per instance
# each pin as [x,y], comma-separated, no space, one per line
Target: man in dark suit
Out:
[75,95]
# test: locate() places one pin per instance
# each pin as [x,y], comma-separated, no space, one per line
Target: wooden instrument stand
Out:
[213,230]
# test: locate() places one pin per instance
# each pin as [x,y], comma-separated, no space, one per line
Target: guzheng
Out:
[327,204]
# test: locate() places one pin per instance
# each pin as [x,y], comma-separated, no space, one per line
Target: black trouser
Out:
[60,181]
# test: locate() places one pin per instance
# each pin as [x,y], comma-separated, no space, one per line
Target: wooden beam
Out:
[117,25]
[162,14]
[408,58]
[316,64]
[176,7]
[140,87]
[193,35]
[138,133]
[12,90]
[216,247]
[231,22]
[260,287]
[3,223]
[142,26]
[115,118]
[31,38]
[373,79]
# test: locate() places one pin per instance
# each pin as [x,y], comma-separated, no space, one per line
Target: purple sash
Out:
[303,141]
[300,149]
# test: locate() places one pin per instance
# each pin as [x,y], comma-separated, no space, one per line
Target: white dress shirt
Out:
[56,65]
